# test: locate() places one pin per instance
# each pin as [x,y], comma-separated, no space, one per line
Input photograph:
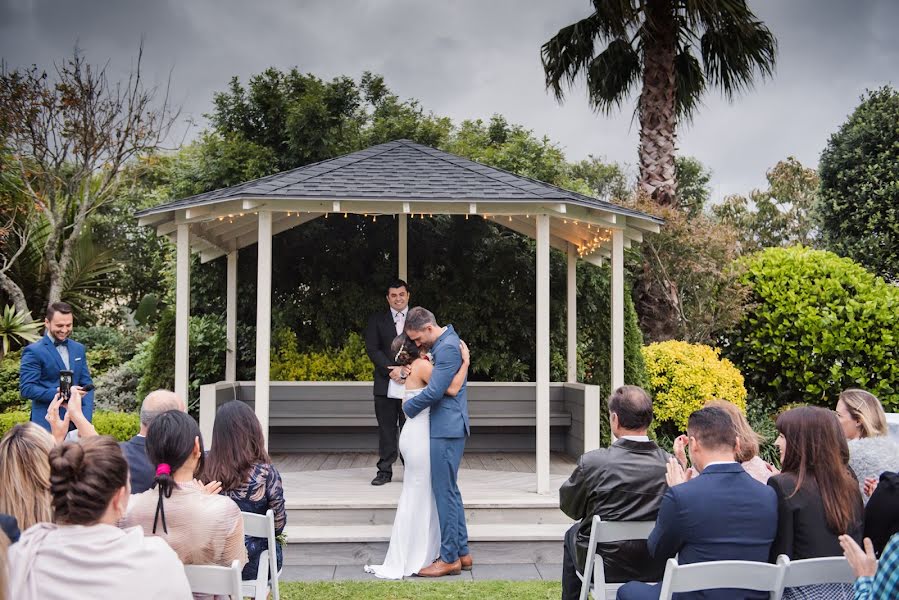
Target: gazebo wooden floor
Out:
[514,462]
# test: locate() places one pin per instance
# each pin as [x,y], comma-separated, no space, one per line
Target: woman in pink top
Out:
[747,444]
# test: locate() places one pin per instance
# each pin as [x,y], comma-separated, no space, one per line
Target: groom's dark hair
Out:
[397,284]
[418,318]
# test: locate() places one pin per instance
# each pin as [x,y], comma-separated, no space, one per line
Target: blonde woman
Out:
[747,444]
[871,450]
[25,468]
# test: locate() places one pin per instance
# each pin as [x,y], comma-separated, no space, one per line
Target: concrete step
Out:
[366,544]
[378,514]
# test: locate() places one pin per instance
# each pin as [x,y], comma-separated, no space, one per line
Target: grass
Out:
[403,590]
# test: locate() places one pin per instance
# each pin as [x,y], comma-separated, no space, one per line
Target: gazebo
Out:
[402,180]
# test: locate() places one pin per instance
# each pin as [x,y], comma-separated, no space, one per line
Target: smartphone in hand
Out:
[65,384]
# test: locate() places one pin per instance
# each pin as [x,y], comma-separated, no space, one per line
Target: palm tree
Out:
[655,42]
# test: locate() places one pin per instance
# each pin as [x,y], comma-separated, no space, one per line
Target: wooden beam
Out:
[182,312]
[263,321]
[542,347]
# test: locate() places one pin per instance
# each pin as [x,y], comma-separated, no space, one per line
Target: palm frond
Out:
[690,84]
[86,281]
[734,51]
[16,327]
[612,75]
[566,54]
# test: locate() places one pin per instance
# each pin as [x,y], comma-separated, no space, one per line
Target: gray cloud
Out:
[469,59]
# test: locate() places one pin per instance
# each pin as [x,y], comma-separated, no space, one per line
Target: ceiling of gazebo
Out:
[399,177]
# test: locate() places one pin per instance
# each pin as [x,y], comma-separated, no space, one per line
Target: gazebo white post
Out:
[543,354]
[231,319]
[263,319]
[403,243]
[572,313]
[617,308]
[182,311]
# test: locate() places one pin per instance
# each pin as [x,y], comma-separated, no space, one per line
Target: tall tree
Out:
[655,42]
[70,135]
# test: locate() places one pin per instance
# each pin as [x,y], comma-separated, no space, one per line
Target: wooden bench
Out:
[339,416]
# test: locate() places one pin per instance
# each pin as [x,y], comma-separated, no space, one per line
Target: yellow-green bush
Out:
[349,363]
[684,376]
[121,426]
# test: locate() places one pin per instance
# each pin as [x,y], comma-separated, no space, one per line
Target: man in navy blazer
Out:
[44,359]
[722,514]
[142,472]
[449,428]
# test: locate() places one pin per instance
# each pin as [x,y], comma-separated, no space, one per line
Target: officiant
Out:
[383,327]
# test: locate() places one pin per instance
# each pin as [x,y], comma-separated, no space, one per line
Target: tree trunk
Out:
[657,108]
[14,292]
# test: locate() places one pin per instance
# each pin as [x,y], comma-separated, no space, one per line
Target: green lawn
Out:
[422,590]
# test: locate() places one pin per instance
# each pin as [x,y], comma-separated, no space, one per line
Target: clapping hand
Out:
[870,485]
[863,562]
[58,427]
[680,453]
[676,474]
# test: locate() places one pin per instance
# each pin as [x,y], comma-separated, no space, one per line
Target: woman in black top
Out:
[817,495]
[882,511]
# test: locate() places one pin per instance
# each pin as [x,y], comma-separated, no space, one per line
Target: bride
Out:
[415,539]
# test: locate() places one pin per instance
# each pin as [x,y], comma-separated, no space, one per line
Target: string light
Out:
[374,219]
[345,215]
[466,217]
[326,215]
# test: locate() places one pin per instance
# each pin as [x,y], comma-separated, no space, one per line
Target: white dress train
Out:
[415,539]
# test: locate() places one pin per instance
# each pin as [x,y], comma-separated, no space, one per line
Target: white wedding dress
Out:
[415,539]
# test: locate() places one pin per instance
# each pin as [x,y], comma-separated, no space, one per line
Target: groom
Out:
[449,427]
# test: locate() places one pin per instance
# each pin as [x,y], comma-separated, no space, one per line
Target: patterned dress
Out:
[261,491]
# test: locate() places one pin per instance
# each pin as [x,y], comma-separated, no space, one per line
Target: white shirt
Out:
[399,319]
[721,462]
[62,349]
[635,438]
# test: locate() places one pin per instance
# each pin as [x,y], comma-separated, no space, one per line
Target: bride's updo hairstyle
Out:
[84,476]
[404,350]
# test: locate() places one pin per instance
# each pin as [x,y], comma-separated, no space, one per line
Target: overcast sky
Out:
[474,58]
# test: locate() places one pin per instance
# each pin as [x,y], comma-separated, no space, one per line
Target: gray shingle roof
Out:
[398,170]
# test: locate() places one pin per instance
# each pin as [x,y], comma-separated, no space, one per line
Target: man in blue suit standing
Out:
[723,514]
[449,428]
[44,359]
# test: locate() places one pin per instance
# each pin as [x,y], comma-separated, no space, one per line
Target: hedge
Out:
[817,324]
[121,426]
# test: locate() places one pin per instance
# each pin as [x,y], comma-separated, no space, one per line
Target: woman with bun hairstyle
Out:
[203,528]
[83,555]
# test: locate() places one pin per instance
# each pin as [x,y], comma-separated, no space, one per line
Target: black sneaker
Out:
[381,479]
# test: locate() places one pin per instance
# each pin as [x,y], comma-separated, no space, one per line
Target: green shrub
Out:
[818,324]
[117,389]
[9,419]
[9,381]
[684,376]
[348,363]
[121,426]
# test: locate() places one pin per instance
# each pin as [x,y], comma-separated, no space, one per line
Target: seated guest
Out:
[25,468]
[624,482]
[722,515]
[871,450]
[882,511]
[135,449]
[238,460]
[877,580]
[817,495]
[83,554]
[202,528]
[747,444]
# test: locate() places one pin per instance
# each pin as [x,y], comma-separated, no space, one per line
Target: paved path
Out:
[512,572]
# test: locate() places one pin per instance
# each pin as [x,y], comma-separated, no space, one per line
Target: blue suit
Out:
[142,471]
[724,514]
[449,427]
[39,377]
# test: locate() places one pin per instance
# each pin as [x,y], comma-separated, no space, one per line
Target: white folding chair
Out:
[263,526]
[815,571]
[212,579]
[738,574]
[594,576]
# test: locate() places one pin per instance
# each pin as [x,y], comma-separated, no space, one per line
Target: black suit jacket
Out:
[882,511]
[624,482]
[379,334]
[142,472]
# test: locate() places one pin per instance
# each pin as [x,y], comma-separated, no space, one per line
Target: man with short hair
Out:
[383,327]
[624,482]
[135,450]
[43,360]
[723,514]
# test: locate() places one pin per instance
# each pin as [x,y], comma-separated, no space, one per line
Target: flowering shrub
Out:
[684,376]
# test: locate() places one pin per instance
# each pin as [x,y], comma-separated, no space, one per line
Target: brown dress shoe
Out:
[466,562]
[438,568]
